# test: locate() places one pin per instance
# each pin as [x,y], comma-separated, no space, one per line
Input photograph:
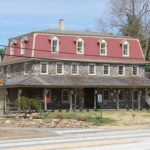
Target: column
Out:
[71,95]
[118,92]
[19,96]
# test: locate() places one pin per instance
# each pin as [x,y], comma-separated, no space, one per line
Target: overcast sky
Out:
[22,16]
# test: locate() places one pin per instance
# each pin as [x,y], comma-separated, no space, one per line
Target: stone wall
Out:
[33,67]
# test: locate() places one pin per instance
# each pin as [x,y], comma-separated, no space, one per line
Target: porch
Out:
[64,98]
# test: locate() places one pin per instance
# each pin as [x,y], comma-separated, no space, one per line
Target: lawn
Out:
[113,117]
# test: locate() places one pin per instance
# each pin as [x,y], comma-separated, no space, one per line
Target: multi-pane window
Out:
[44,68]
[91,69]
[125,48]
[65,95]
[25,68]
[80,46]
[106,69]
[120,95]
[59,69]
[135,95]
[11,49]
[22,47]
[54,45]
[103,48]
[106,94]
[121,70]
[8,71]
[134,70]
[74,69]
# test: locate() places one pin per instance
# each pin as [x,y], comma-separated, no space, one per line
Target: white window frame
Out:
[82,49]
[100,43]
[8,71]
[77,73]
[123,44]
[25,65]
[68,95]
[123,70]
[108,70]
[57,48]
[108,94]
[11,48]
[62,69]
[41,67]
[137,71]
[22,45]
[89,69]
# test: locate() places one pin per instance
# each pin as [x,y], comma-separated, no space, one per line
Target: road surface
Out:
[85,139]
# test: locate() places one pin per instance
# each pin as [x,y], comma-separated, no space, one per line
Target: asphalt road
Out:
[85,139]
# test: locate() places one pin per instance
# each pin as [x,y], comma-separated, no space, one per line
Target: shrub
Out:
[53,110]
[81,109]
[59,117]
[82,119]
[25,104]
[67,110]
[60,110]
[87,110]
[95,109]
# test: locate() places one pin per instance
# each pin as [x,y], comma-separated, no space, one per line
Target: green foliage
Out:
[25,104]
[2,53]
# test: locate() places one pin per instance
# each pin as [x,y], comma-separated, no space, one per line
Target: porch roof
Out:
[75,81]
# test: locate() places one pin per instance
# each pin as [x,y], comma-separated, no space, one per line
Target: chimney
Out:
[61,24]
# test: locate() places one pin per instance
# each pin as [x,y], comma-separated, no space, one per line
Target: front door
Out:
[89,97]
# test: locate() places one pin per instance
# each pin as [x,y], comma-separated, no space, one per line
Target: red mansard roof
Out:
[41,43]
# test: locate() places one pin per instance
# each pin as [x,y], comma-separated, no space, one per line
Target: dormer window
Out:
[125,48]
[11,49]
[54,45]
[103,47]
[22,47]
[80,46]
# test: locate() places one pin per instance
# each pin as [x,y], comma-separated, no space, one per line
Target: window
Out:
[125,48]
[106,94]
[59,68]
[44,68]
[11,49]
[80,46]
[22,47]
[134,70]
[135,95]
[103,47]
[54,45]
[74,69]
[25,68]
[8,71]
[92,69]
[121,95]
[106,70]
[65,96]
[120,70]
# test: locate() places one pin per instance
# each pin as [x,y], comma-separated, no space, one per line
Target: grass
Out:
[91,116]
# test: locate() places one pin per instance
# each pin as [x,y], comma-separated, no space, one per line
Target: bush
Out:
[81,109]
[87,110]
[82,119]
[67,110]
[60,110]
[53,110]
[25,104]
[95,109]
[59,117]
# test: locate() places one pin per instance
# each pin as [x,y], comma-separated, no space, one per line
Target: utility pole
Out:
[3,81]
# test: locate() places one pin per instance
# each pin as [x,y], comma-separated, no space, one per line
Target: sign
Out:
[1,81]
[99,98]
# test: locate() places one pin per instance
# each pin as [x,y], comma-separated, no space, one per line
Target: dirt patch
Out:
[13,134]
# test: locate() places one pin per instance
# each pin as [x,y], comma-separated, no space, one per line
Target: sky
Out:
[19,17]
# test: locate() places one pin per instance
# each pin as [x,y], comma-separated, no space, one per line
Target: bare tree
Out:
[126,12]
[76,84]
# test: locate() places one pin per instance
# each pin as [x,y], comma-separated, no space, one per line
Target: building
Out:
[59,65]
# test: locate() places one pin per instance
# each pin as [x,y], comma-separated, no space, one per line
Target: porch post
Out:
[71,95]
[19,96]
[132,93]
[118,92]
[7,99]
[95,94]
[139,99]
[45,101]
